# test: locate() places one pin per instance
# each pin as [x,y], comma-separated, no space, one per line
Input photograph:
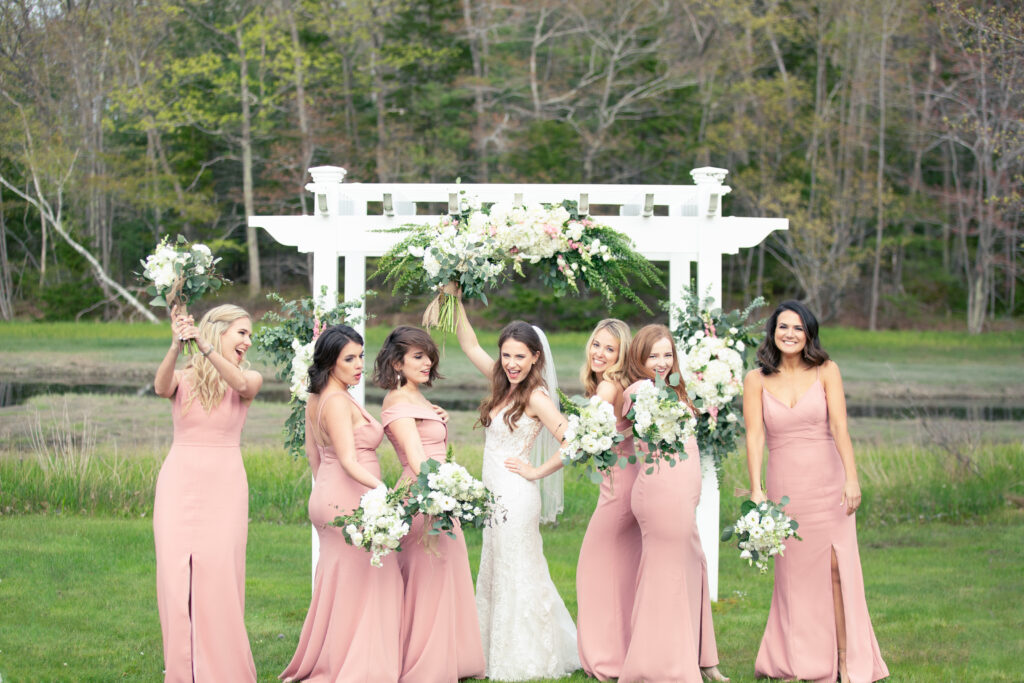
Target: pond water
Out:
[15,393]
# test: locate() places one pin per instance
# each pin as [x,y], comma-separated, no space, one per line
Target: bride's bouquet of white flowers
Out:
[474,248]
[179,274]
[591,436]
[761,531]
[662,421]
[448,494]
[380,522]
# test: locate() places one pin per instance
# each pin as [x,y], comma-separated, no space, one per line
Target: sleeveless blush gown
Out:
[351,632]
[672,633]
[440,631]
[800,637]
[607,570]
[200,523]
[526,630]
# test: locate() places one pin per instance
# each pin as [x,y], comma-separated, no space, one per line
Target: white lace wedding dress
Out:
[526,630]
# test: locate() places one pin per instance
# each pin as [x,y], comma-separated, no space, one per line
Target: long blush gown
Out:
[351,632]
[672,634]
[440,631]
[200,524]
[526,630]
[800,637]
[607,570]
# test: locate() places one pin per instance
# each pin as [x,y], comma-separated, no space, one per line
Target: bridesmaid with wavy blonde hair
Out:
[610,554]
[201,509]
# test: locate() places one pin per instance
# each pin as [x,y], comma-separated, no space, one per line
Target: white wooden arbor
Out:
[693,231]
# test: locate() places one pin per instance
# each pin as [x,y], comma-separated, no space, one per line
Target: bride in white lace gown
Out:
[526,630]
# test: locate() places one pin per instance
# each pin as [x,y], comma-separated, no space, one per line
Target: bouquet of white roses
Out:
[448,494]
[287,339]
[761,531]
[179,274]
[591,436]
[713,372]
[380,522]
[662,421]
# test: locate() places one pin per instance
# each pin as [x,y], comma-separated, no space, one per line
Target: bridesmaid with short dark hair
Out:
[818,624]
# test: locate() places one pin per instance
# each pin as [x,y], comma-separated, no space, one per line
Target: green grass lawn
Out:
[77,595]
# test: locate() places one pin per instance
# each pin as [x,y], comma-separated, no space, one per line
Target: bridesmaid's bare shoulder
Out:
[753,378]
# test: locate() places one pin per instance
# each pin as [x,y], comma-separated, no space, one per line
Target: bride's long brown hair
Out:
[503,391]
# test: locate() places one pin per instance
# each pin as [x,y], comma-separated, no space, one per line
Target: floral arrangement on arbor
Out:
[380,522]
[448,495]
[179,274]
[714,347]
[477,247]
[661,421]
[761,531]
[287,339]
[591,436]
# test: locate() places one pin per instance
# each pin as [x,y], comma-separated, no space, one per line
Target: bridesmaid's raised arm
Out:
[753,420]
[338,424]
[246,383]
[166,381]
[470,345]
[556,423]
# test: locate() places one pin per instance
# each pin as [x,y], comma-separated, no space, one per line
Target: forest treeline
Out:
[889,132]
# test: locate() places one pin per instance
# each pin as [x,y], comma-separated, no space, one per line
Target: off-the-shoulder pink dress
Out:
[351,632]
[440,631]
[200,524]
[672,635]
[800,637]
[607,570]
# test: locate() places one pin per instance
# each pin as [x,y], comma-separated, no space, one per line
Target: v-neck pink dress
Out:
[440,631]
[607,570]
[800,637]
[200,526]
[351,632]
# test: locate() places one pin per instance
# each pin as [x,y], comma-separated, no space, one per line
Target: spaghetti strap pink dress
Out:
[607,570]
[672,633]
[351,632]
[200,524]
[800,637]
[440,632]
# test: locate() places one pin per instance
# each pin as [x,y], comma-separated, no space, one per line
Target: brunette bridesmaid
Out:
[818,624]
[672,637]
[351,632]
[440,633]
[610,554]
[201,509]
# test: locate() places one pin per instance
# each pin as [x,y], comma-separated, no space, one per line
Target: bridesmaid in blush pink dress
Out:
[818,625]
[440,632]
[610,554]
[201,508]
[351,632]
[672,634]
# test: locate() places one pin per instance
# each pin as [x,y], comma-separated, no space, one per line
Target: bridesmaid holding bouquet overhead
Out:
[440,632]
[818,624]
[610,554]
[351,632]
[672,637]
[201,509]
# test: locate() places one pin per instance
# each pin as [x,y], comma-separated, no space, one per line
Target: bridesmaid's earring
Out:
[398,378]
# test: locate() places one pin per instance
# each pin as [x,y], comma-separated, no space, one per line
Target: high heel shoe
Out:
[711,673]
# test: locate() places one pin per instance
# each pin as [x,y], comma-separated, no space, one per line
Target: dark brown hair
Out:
[636,370]
[401,340]
[501,389]
[769,355]
[325,354]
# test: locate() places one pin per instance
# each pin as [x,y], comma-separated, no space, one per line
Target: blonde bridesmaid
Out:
[672,637]
[610,554]
[351,632]
[201,509]
[440,632]
[818,624]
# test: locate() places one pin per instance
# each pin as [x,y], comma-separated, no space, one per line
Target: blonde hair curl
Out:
[206,384]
